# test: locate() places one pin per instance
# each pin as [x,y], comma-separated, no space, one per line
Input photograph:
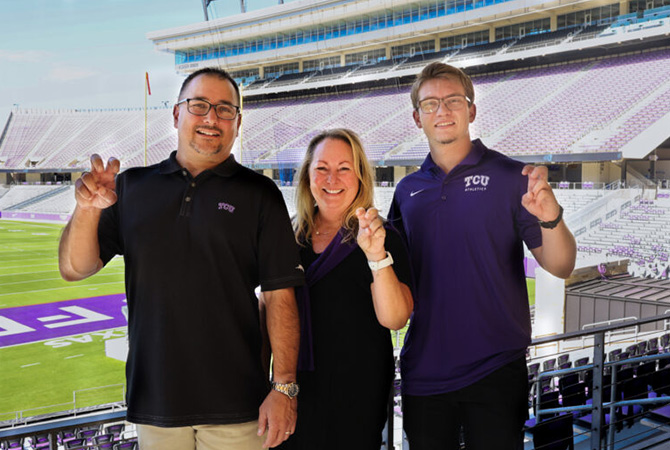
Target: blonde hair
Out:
[445,72]
[305,203]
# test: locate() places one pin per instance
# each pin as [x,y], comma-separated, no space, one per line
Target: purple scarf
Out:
[334,254]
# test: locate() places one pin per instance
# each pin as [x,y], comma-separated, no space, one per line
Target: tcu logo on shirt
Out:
[476,182]
[226,207]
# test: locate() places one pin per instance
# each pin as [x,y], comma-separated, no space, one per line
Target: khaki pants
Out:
[201,437]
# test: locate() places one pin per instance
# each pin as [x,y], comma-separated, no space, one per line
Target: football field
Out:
[53,333]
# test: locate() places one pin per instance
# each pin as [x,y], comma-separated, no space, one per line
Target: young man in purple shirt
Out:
[465,215]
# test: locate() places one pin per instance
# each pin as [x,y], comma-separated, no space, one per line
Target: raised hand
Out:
[539,200]
[371,234]
[96,189]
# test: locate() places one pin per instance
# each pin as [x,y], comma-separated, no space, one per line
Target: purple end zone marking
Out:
[22,324]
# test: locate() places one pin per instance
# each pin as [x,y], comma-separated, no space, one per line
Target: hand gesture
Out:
[371,234]
[539,200]
[277,416]
[96,189]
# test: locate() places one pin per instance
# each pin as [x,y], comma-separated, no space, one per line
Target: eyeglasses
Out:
[452,103]
[199,107]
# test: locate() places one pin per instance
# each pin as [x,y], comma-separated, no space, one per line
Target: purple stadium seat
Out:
[126,445]
[75,443]
[103,438]
[115,429]
[554,434]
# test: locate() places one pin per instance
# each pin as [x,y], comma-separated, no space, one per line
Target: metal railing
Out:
[598,438]
[111,397]
[634,326]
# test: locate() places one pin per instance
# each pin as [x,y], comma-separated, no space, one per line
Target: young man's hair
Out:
[214,71]
[443,71]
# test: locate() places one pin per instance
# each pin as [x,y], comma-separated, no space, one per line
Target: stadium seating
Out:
[638,233]
[84,437]
[589,106]
[127,445]
[11,444]
[75,443]
[16,197]
[114,429]
[554,433]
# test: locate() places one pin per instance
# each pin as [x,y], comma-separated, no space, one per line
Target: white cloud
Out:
[24,55]
[69,73]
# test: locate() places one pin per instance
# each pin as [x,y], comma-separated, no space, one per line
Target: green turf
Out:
[29,268]
[38,375]
[530,282]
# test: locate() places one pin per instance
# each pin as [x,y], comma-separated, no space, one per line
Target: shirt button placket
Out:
[188,195]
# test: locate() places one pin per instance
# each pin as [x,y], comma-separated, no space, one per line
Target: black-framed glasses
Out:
[452,103]
[200,107]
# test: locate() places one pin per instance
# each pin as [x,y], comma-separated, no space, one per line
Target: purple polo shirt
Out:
[464,231]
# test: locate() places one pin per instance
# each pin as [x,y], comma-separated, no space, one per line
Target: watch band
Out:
[290,390]
[554,223]
[378,265]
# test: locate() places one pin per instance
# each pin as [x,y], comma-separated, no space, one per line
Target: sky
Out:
[92,53]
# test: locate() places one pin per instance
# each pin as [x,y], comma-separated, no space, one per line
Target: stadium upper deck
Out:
[313,35]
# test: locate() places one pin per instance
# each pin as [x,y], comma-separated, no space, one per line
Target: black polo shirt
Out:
[195,249]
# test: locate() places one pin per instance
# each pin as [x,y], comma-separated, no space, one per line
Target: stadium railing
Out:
[601,435]
[602,431]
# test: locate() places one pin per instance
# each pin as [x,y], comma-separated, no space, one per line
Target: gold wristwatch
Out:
[289,389]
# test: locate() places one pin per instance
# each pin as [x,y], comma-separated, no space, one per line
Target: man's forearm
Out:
[284,331]
[79,251]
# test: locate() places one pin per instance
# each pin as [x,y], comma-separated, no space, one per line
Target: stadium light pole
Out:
[243,6]
[205,3]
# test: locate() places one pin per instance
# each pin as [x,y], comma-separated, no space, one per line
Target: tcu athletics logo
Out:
[476,183]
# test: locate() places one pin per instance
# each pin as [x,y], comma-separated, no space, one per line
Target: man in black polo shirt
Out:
[198,233]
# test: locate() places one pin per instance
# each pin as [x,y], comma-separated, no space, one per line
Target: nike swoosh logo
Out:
[412,194]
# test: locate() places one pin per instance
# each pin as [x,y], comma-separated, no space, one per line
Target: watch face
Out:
[293,389]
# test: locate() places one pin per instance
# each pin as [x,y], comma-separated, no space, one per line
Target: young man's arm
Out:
[558,251]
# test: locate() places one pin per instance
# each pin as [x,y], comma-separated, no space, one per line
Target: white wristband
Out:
[378,265]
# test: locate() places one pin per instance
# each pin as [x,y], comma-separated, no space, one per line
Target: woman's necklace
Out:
[323,233]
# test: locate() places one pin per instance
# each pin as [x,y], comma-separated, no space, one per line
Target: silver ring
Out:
[288,432]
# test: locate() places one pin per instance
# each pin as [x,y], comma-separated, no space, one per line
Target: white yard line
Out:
[112,263]
[42,341]
[30,365]
[24,266]
[62,287]
[57,278]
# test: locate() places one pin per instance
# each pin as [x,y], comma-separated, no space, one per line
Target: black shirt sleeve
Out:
[279,260]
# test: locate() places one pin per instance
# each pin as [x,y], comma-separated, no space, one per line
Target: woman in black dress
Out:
[357,275]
